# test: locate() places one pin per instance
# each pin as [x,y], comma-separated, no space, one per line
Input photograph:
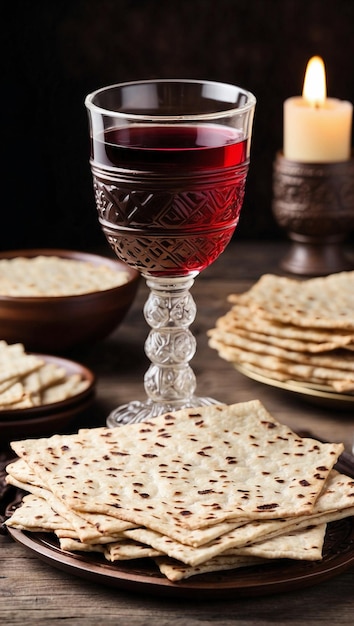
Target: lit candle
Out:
[317,129]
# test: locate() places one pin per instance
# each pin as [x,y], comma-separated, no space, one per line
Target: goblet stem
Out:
[169,382]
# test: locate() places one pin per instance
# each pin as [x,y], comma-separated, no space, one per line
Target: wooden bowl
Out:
[59,324]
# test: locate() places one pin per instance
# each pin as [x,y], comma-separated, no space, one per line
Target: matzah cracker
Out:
[303,545]
[35,514]
[46,376]
[309,339]
[298,371]
[124,550]
[88,527]
[62,390]
[335,502]
[100,525]
[187,468]
[13,393]
[23,364]
[317,303]
[286,343]
[335,359]
[175,571]
[68,544]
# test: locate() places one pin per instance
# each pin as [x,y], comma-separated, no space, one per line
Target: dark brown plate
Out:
[48,418]
[316,394]
[143,576]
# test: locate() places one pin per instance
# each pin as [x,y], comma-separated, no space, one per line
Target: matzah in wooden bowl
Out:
[55,300]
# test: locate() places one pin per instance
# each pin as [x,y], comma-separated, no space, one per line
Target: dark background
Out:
[56,52]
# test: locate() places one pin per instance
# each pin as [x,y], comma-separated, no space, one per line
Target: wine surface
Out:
[208,146]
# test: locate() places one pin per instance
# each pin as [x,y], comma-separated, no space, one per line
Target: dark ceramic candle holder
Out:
[314,204]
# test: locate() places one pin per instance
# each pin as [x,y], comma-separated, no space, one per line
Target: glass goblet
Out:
[169,160]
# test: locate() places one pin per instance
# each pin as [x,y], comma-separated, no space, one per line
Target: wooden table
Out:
[33,592]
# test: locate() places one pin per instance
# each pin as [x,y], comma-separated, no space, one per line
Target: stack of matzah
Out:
[289,329]
[28,380]
[198,490]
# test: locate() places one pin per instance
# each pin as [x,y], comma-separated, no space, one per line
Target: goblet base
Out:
[137,411]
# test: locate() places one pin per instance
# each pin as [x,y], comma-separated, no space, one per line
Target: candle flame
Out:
[315,91]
